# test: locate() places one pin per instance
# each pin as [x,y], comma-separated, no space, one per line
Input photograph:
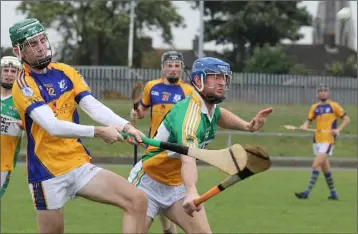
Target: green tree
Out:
[345,68]
[151,59]
[6,51]
[269,59]
[248,24]
[96,32]
[301,69]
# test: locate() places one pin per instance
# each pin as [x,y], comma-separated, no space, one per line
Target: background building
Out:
[329,30]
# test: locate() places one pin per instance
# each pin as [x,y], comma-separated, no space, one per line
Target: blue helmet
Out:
[209,65]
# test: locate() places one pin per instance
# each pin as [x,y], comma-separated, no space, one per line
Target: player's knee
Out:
[319,160]
[50,222]
[316,166]
[139,202]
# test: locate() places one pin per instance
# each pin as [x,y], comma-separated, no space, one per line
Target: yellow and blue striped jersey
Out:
[326,116]
[59,88]
[161,98]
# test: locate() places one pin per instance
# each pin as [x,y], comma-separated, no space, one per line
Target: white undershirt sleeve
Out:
[44,117]
[100,113]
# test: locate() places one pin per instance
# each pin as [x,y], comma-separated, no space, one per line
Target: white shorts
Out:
[55,192]
[322,148]
[3,177]
[160,196]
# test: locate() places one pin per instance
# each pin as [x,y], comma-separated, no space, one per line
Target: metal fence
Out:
[257,88]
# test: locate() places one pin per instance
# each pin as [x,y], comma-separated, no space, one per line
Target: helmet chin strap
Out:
[172,79]
[212,98]
[6,85]
[41,64]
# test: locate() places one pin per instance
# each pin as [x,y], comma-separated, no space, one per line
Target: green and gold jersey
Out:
[188,123]
[11,134]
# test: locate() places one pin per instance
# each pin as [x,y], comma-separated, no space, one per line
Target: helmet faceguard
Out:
[322,87]
[215,69]
[323,92]
[30,40]
[172,66]
[10,68]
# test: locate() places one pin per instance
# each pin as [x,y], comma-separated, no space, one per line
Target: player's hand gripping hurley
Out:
[137,94]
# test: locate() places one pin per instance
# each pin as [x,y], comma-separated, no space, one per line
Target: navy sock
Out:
[329,180]
[312,181]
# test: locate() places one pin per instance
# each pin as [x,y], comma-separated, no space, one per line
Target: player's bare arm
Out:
[306,125]
[189,175]
[342,126]
[228,120]
[311,116]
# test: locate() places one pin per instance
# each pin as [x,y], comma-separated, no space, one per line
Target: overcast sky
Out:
[182,37]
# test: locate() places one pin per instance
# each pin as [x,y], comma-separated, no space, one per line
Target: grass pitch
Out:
[262,204]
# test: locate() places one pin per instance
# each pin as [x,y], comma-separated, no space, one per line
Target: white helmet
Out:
[7,76]
[10,61]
